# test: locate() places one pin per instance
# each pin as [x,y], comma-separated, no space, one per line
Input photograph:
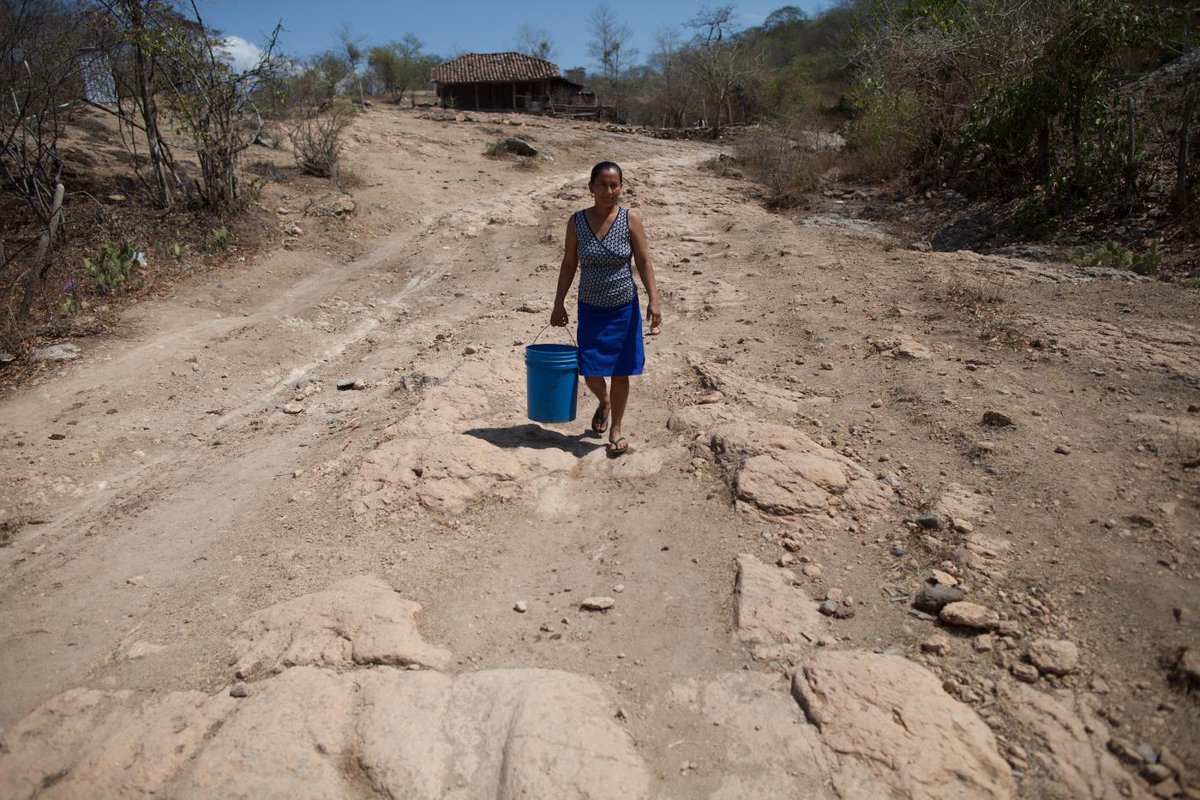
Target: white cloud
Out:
[242,55]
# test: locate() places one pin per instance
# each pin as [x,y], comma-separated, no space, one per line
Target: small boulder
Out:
[965,614]
[1054,656]
[934,597]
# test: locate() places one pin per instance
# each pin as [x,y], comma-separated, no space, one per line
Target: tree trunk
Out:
[1130,154]
[37,272]
[162,186]
[1043,150]
[1179,198]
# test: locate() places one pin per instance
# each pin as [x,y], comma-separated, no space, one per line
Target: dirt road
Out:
[874,419]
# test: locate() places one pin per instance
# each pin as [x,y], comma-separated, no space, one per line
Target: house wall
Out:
[510,96]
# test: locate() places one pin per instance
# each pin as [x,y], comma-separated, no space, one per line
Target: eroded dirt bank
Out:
[823,438]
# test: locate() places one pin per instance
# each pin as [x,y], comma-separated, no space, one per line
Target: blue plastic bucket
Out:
[551,381]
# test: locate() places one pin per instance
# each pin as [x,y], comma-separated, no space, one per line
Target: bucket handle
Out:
[564,327]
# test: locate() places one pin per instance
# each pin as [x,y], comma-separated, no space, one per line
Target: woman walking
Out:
[600,243]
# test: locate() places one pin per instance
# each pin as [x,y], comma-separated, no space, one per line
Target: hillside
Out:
[228,576]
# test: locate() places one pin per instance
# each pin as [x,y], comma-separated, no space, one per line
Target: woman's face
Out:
[607,186]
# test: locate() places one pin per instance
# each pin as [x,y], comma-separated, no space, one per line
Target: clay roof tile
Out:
[493,68]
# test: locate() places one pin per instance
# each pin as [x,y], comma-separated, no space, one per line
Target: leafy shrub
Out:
[889,132]
[219,238]
[114,266]
[1113,256]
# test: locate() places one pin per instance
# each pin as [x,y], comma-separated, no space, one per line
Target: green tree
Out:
[400,67]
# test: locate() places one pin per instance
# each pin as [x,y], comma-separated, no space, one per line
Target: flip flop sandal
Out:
[600,420]
[618,448]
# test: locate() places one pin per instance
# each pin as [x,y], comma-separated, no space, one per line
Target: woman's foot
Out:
[600,419]
[618,447]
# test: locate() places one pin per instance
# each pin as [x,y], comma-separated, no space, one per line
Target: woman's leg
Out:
[618,397]
[599,388]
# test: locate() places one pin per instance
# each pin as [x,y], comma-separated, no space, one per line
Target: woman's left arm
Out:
[645,268]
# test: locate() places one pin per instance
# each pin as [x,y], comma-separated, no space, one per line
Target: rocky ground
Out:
[894,523]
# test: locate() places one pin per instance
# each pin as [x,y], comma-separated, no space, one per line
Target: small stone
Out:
[938,644]
[56,352]
[597,604]
[293,408]
[1062,450]
[944,578]
[836,595]
[786,560]
[827,365]
[531,308]
[620,587]
[932,599]
[239,689]
[136,580]
[812,571]
[984,643]
[469,351]
[520,606]
[1125,751]
[1026,673]
[349,384]
[1169,788]
[961,525]
[829,607]
[621,714]
[995,419]
[965,614]
[929,522]
[1156,773]
[985,446]
[57,437]
[1099,686]
[1147,752]
[1054,656]
[1170,761]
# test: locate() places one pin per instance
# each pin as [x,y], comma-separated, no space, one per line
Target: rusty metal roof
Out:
[494,68]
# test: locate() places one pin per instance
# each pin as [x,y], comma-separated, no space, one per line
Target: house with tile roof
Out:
[506,82]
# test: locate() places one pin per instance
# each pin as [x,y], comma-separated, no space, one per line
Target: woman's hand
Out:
[654,313]
[558,317]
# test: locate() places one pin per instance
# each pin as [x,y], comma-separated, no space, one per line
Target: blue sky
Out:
[447,27]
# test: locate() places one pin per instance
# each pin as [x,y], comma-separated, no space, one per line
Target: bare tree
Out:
[673,85]
[610,38]
[39,68]
[352,46]
[534,41]
[720,62]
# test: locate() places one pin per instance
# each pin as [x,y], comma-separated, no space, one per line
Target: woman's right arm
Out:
[566,275]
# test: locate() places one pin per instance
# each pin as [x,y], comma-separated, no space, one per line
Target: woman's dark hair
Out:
[604,166]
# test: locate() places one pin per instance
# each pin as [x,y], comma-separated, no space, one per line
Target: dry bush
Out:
[317,139]
[985,300]
[974,294]
[775,156]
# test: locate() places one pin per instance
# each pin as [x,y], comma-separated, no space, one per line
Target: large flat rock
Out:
[1074,764]
[315,733]
[361,620]
[894,732]
[774,617]
[779,473]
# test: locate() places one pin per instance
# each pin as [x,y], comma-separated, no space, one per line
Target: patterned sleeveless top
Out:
[605,266]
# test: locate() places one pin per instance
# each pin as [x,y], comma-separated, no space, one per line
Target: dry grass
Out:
[985,300]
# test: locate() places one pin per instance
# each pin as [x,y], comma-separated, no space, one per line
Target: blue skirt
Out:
[610,340]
